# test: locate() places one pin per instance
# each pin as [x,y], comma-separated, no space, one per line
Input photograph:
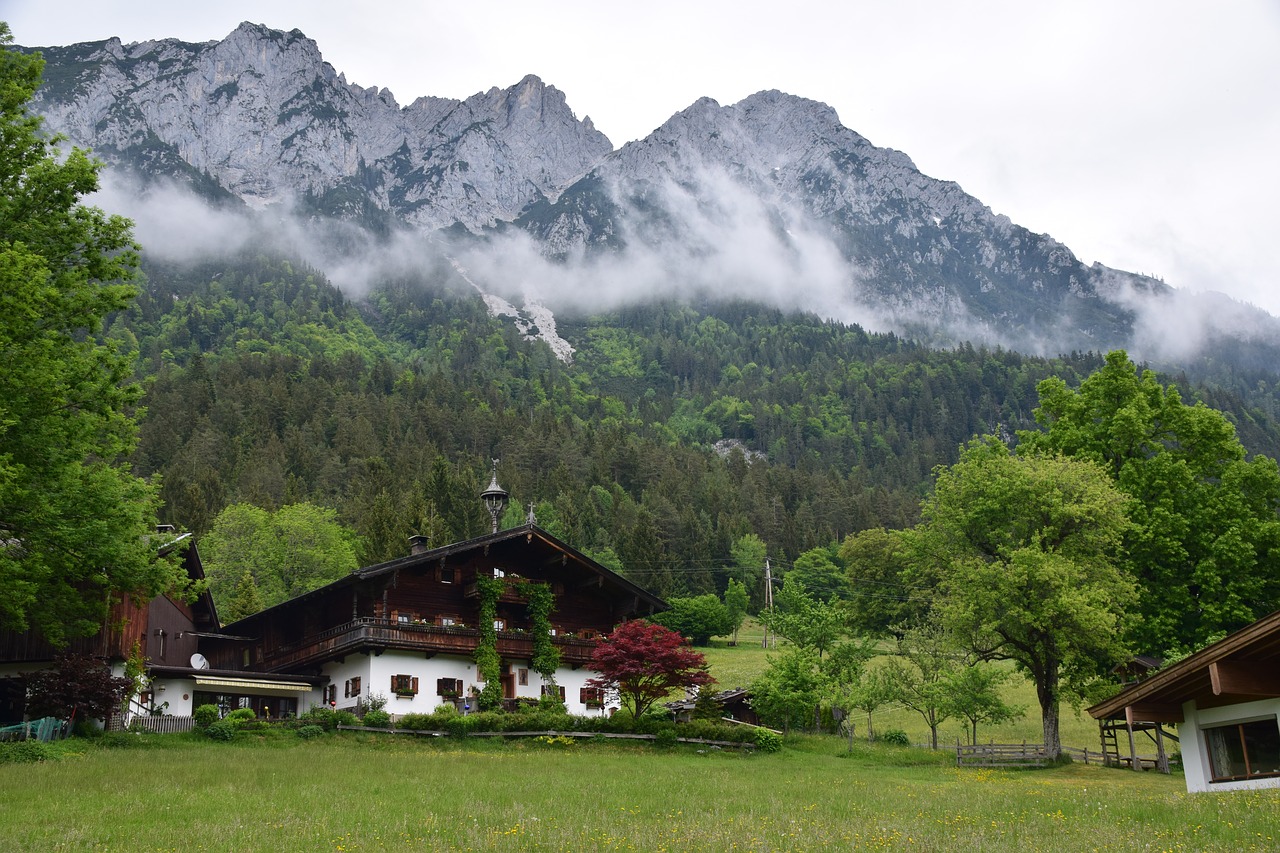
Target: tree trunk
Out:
[1047,693]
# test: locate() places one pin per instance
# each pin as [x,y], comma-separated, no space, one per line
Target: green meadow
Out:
[358,791]
[738,666]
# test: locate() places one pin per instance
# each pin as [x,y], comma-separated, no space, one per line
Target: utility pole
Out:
[768,596]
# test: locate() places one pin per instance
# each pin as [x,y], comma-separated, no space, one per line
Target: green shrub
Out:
[310,730]
[223,730]
[206,715]
[547,702]
[320,716]
[24,752]
[377,719]
[417,722]
[255,726]
[345,718]
[767,741]
[897,737]
[665,737]
[241,715]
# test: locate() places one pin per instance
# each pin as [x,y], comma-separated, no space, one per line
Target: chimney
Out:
[166,528]
[418,544]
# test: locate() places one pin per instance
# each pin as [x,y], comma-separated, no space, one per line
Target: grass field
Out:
[356,792]
[738,666]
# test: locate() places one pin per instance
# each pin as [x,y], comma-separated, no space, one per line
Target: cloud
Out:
[712,239]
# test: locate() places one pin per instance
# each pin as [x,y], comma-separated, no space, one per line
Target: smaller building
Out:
[1225,701]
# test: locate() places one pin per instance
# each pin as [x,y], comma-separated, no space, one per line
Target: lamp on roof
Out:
[495,498]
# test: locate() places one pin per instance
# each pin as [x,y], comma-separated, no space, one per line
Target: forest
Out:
[676,431]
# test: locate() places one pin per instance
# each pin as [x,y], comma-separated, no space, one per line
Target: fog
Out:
[737,246]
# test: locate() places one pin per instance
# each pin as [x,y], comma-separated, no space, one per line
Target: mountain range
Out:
[771,199]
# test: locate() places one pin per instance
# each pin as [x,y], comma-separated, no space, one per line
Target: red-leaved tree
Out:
[642,662]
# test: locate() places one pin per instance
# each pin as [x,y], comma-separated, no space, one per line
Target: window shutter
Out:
[393,684]
[561,694]
[413,685]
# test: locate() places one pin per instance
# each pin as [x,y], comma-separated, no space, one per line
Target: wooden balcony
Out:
[373,635]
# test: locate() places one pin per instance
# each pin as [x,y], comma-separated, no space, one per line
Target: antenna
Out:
[199,661]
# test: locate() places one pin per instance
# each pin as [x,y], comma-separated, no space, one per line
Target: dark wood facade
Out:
[428,602]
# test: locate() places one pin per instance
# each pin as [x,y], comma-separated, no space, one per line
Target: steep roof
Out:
[512,543]
[1238,668]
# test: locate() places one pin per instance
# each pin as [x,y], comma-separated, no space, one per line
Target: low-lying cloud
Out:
[718,240]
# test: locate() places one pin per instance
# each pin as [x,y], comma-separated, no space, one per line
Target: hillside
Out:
[674,431]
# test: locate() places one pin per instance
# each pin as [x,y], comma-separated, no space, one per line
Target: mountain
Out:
[770,200]
[262,118]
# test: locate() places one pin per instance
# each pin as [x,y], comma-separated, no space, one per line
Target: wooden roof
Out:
[511,543]
[1238,668]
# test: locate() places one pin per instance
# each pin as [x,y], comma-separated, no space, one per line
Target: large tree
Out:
[293,550]
[1024,549]
[1204,545]
[642,662]
[74,520]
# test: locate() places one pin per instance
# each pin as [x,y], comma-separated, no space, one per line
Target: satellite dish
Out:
[199,661]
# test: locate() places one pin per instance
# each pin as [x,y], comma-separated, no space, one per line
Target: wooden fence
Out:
[611,735]
[163,725]
[1016,755]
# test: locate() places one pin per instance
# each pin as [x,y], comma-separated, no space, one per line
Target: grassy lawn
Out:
[739,665]
[365,792]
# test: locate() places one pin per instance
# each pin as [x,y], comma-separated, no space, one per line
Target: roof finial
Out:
[495,498]
[531,519]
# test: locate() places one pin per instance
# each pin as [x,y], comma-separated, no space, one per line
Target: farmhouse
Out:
[408,629]
[1225,700]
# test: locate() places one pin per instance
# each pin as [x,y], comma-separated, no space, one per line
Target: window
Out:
[592,697]
[1244,750]
[446,621]
[523,676]
[553,690]
[449,687]
[498,573]
[404,685]
[352,687]
[330,694]
[446,574]
[499,624]
[403,618]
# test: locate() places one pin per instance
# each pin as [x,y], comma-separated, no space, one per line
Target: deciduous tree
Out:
[642,662]
[1204,544]
[74,520]
[699,618]
[1025,549]
[293,550]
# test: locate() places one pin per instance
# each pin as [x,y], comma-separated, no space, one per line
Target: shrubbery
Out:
[309,731]
[376,719]
[897,737]
[223,730]
[206,715]
[456,725]
[24,752]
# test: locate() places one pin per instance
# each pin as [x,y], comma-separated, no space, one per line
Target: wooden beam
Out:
[1237,678]
[1152,713]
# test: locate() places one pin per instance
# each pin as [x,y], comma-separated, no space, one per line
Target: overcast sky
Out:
[1144,134]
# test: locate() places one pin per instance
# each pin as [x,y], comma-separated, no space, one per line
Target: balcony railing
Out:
[369,633]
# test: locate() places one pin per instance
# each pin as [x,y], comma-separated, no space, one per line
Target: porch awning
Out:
[248,685]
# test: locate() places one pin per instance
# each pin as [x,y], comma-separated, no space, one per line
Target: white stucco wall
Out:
[376,671]
[178,692]
[1195,749]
